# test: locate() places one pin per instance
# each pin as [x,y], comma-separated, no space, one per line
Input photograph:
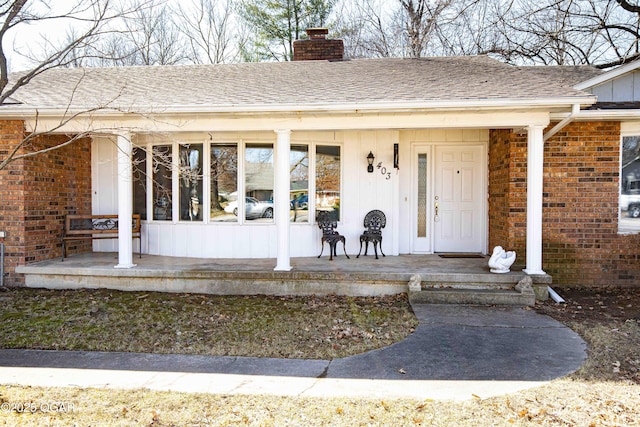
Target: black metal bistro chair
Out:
[329,234]
[374,222]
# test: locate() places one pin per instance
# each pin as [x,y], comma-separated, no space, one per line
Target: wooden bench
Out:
[89,227]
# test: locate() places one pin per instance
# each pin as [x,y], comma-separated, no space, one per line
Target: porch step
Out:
[512,291]
[453,282]
[472,296]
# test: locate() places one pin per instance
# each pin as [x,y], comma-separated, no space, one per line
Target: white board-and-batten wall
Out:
[387,188]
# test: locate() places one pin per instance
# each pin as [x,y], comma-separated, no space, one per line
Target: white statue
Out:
[500,260]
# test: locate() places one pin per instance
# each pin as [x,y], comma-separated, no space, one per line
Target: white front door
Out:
[450,198]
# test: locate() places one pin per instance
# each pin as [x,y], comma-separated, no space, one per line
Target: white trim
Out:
[564,122]
[535,173]
[435,119]
[356,108]
[125,202]
[587,115]
[281,196]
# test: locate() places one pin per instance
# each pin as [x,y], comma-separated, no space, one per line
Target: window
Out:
[258,183]
[328,183]
[190,176]
[299,183]
[232,182]
[630,184]
[224,183]
[162,182]
[140,182]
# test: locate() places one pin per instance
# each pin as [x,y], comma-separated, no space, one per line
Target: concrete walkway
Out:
[457,352]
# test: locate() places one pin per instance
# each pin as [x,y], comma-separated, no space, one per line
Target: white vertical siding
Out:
[361,192]
[104,185]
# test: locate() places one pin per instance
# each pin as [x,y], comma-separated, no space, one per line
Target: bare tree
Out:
[369,28]
[152,35]
[467,28]
[91,19]
[423,18]
[604,33]
[207,27]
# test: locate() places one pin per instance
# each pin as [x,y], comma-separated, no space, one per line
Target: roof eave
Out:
[615,115]
[24,111]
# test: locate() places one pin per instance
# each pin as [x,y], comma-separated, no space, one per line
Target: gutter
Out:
[341,108]
[575,111]
[586,115]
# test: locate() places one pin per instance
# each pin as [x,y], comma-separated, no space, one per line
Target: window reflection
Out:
[139,167]
[299,183]
[162,190]
[191,182]
[224,182]
[259,180]
[328,180]
[630,184]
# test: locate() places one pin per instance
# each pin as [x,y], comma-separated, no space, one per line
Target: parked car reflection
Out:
[300,202]
[253,208]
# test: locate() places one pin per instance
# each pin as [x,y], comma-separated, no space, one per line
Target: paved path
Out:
[456,352]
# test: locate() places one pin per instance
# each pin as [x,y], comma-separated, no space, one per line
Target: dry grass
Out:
[152,322]
[605,392]
[561,403]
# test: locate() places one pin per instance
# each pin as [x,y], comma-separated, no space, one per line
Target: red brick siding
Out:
[39,192]
[507,191]
[11,199]
[318,49]
[581,244]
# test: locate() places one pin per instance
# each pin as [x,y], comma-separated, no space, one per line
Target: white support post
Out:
[125,202]
[281,199]
[535,171]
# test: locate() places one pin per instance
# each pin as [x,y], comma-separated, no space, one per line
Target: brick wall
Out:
[36,195]
[507,192]
[318,47]
[11,198]
[581,244]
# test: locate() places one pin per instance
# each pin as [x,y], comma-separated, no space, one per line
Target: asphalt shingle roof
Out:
[303,83]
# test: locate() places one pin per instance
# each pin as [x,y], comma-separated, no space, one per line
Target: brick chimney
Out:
[318,47]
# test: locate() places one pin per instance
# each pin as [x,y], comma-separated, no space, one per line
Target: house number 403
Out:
[383,171]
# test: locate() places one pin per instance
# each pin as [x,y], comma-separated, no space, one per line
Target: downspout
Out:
[575,110]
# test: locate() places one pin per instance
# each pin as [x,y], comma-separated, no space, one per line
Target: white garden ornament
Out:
[501,260]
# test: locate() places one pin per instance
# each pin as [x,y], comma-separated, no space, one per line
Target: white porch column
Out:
[535,170]
[125,202]
[281,199]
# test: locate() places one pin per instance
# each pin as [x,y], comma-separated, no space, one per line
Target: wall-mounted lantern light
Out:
[396,157]
[370,159]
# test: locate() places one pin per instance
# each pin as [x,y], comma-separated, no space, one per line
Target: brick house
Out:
[469,153]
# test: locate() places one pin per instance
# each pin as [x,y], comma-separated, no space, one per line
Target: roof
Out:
[572,75]
[296,85]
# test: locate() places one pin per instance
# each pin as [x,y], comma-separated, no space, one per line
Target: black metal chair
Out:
[374,222]
[329,234]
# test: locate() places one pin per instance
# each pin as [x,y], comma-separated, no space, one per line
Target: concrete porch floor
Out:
[319,276]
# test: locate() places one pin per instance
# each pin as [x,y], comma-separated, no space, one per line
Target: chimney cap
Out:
[317,33]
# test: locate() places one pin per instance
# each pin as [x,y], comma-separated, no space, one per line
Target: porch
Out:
[443,280]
